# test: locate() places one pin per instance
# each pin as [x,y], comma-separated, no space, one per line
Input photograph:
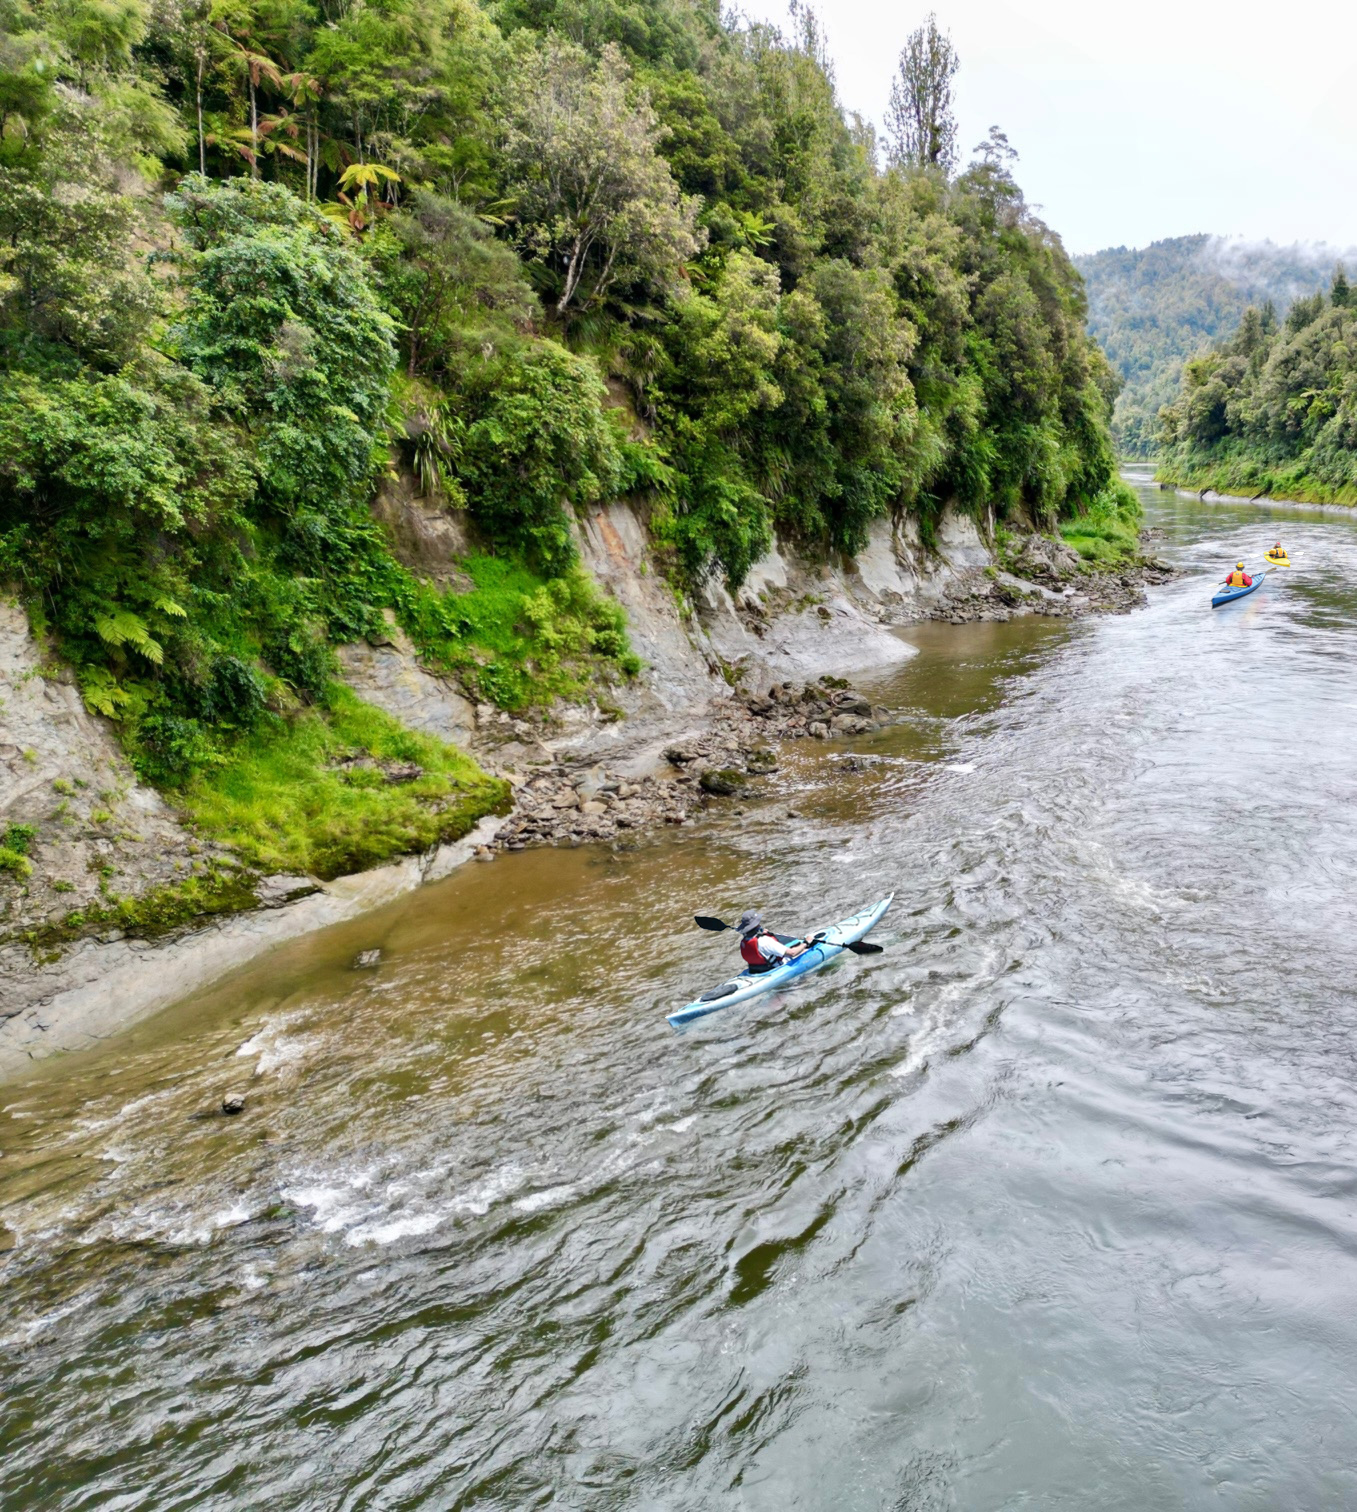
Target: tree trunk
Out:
[254,130]
[574,271]
[202,144]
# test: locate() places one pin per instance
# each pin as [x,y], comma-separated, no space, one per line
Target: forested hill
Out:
[1153,307]
[1273,409]
[256,253]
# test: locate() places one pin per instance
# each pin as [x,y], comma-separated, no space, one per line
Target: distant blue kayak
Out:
[752,984]
[1229,595]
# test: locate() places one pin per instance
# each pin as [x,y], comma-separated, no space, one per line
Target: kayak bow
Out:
[830,942]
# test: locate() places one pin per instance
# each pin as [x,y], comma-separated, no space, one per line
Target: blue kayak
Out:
[751,984]
[1229,595]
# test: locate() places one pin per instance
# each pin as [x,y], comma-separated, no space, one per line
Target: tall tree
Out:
[921,129]
[596,201]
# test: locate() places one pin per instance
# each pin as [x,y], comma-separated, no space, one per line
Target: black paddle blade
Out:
[704,922]
[864,947]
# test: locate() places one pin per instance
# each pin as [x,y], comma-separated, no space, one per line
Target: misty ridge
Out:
[1151,308]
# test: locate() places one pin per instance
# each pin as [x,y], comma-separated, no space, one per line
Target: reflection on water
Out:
[1050,1205]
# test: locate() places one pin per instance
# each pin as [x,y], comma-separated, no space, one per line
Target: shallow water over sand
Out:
[1051,1205]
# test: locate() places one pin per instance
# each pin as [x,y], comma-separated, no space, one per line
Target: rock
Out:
[722,782]
[793,813]
[594,807]
[567,800]
[760,761]
[818,730]
[850,724]
[595,782]
[366,959]
[681,755]
[849,702]
[233,1103]
[274,892]
[483,853]
[397,772]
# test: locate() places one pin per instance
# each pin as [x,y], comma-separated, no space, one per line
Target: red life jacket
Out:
[751,953]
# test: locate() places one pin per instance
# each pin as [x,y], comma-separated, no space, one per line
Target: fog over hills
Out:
[1153,307]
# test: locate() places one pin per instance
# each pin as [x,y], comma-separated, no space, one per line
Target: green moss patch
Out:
[313,794]
[217,890]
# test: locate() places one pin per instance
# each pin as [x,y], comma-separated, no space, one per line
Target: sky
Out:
[1137,122]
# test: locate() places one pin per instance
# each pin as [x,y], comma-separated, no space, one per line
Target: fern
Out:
[102,694]
[123,628]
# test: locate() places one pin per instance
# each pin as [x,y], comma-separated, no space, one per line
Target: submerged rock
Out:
[233,1103]
[366,959]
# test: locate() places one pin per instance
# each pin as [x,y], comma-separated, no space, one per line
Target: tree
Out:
[920,127]
[596,201]
[1340,291]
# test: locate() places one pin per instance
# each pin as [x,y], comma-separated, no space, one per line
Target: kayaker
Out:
[759,949]
[1278,552]
[1239,578]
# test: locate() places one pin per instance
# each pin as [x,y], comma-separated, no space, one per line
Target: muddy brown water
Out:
[1052,1205]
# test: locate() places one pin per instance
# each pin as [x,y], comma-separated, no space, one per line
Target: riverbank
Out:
[1263,500]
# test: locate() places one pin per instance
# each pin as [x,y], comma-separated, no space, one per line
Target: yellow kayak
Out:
[1277,561]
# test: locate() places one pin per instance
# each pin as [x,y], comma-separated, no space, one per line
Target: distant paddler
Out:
[1277,556]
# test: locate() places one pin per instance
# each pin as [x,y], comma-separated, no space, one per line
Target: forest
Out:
[257,255]
[1273,410]
[1151,308]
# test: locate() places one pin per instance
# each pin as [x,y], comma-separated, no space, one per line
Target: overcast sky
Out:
[1136,122]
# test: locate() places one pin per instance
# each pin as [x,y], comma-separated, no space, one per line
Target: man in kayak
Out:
[1278,552]
[1239,578]
[761,951]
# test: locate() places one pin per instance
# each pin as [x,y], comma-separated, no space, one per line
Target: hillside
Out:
[1274,408]
[1153,307]
[261,265]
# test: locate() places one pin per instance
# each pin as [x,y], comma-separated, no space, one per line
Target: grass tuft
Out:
[520,640]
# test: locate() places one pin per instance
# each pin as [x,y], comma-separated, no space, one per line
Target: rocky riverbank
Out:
[559,804]
[1036,574]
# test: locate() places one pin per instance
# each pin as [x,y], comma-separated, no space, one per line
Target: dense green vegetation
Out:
[1273,409]
[538,253]
[1153,307]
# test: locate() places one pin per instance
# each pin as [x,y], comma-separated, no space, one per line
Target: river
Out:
[1051,1205]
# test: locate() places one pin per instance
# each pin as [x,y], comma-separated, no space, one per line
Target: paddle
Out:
[858,947]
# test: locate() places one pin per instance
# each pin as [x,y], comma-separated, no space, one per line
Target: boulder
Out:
[760,761]
[722,782]
[366,959]
[233,1103]
[818,730]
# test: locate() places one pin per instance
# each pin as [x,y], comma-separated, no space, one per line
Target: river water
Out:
[1052,1205]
